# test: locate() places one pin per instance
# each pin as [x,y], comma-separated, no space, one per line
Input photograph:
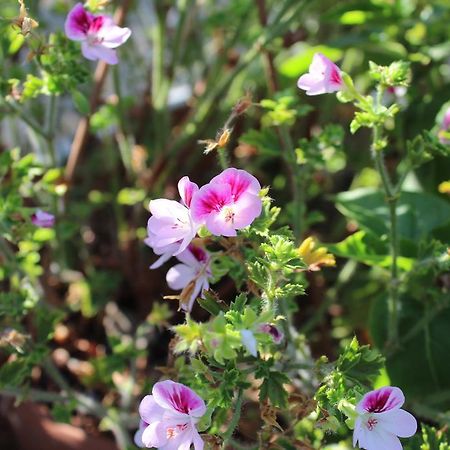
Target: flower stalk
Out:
[391,196]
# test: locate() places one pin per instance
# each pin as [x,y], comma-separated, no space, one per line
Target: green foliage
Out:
[282,110]
[397,73]
[366,248]
[429,438]
[60,71]
[272,387]
[353,373]
[419,214]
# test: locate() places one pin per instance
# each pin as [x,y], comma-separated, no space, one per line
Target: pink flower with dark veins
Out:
[229,202]
[169,417]
[195,267]
[98,34]
[324,77]
[43,219]
[171,228]
[381,422]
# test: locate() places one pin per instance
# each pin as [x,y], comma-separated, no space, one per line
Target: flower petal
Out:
[384,440]
[219,226]
[179,276]
[197,441]
[138,435]
[112,35]
[246,210]
[249,342]
[240,182]
[178,398]
[187,189]
[357,431]
[162,207]
[210,199]
[149,410]
[398,422]
[77,23]
[155,435]
[381,400]
[95,52]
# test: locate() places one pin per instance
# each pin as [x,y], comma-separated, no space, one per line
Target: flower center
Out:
[172,432]
[371,423]
[93,39]
[229,215]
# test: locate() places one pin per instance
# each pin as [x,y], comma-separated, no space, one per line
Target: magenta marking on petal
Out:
[210,199]
[182,399]
[381,400]
[187,189]
[80,19]
[239,181]
[335,75]
[199,253]
[96,24]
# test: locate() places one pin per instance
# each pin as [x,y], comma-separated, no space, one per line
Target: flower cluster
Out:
[229,202]
[169,419]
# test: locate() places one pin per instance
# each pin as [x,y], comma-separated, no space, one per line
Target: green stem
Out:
[160,83]
[391,199]
[296,180]
[36,127]
[50,128]
[223,158]
[227,436]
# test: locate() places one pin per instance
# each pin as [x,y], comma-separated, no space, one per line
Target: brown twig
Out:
[82,132]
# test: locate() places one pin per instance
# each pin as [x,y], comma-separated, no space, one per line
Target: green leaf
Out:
[421,364]
[265,140]
[418,213]
[272,388]
[81,103]
[365,248]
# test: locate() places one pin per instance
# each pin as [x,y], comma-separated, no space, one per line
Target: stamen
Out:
[371,423]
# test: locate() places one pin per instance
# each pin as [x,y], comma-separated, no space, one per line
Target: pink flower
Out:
[446,120]
[228,203]
[43,219]
[171,228]
[381,421]
[99,35]
[194,267]
[276,334]
[323,77]
[169,417]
